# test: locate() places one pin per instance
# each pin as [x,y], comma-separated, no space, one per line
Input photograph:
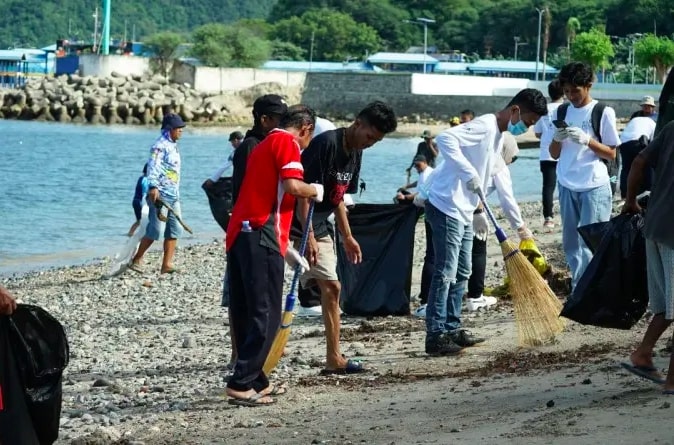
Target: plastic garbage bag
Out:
[121,259]
[38,344]
[220,200]
[613,291]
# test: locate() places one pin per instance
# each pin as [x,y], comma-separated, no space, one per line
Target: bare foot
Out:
[640,359]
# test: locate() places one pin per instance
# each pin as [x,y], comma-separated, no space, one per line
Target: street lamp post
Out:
[423,21]
[518,44]
[538,41]
[633,38]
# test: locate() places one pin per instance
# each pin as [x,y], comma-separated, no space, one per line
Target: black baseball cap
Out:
[235,135]
[172,121]
[269,104]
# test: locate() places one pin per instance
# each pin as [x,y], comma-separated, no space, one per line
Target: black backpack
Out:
[595,120]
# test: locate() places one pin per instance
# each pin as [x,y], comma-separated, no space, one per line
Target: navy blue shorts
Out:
[137,208]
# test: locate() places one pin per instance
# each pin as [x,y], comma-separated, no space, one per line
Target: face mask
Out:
[518,128]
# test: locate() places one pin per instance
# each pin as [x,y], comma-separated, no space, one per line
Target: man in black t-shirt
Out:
[427,149]
[334,159]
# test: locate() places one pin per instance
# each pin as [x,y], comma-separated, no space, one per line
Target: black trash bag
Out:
[41,350]
[381,284]
[16,425]
[592,234]
[613,291]
[220,200]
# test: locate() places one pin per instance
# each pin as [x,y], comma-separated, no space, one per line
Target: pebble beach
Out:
[148,357]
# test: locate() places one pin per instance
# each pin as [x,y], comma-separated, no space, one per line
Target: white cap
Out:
[648,100]
[323,125]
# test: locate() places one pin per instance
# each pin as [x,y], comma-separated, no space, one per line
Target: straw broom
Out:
[537,308]
[283,333]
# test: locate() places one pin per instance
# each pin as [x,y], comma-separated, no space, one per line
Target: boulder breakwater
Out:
[132,100]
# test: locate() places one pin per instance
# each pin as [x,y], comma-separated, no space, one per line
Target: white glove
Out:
[560,134]
[294,259]
[319,192]
[419,201]
[578,136]
[524,233]
[480,226]
[474,185]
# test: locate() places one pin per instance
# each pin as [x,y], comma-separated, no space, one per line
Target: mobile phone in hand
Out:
[560,123]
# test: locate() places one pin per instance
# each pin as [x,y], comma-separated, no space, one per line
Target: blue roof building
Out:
[304,66]
[17,64]
[510,68]
[408,62]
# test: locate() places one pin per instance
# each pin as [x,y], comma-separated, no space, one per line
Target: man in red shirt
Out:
[257,241]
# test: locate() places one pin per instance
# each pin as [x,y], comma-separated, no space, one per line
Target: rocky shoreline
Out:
[148,356]
[131,100]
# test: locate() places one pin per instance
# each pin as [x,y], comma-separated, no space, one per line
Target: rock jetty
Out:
[132,100]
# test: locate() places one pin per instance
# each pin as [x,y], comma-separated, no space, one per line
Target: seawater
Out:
[66,190]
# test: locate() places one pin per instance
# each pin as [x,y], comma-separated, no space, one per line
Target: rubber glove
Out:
[480,226]
[560,134]
[294,259]
[319,192]
[524,233]
[578,136]
[474,185]
[419,201]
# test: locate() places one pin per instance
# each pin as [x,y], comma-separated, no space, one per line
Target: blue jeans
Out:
[579,209]
[171,229]
[452,245]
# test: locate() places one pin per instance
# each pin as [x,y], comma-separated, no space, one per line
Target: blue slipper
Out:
[352,367]
[646,372]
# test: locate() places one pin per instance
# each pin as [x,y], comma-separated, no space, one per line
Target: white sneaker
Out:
[314,311]
[474,304]
[420,311]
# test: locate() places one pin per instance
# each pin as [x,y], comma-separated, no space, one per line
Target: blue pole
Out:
[105,40]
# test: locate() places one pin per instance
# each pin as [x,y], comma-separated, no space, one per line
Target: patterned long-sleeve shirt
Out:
[163,167]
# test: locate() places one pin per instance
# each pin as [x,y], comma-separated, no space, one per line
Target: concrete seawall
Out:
[343,94]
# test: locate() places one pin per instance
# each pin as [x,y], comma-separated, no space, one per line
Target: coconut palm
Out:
[572,27]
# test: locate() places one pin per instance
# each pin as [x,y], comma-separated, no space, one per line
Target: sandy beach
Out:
[148,357]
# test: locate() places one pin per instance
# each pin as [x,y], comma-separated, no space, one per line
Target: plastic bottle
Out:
[246,226]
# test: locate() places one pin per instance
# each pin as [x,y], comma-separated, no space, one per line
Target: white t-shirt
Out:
[637,127]
[421,180]
[467,151]
[223,168]
[502,183]
[322,125]
[545,128]
[579,169]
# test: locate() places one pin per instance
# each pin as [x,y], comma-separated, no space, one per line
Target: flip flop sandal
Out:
[277,390]
[645,372]
[135,267]
[352,367]
[171,270]
[251,401]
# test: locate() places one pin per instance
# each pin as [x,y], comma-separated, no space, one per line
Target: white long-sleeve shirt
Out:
[467,150]
[502,183]
[223,168]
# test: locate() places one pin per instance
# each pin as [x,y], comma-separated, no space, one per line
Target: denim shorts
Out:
[171,228]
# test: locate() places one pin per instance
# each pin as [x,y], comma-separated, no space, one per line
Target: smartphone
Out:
[559,124]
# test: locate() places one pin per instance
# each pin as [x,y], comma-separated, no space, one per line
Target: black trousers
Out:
[549,171]
[479,260]
[256,291]
[427,270]
[628,152]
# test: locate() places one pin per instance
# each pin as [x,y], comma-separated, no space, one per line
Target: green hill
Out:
[37,23]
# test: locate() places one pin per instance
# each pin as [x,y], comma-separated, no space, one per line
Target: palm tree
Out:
[572,26]
[546,36]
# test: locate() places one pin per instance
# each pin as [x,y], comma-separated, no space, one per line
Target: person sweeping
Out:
[257,242]
[452,198]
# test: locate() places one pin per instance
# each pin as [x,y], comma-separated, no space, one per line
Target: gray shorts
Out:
[660,266]
[326,267]
[171,229]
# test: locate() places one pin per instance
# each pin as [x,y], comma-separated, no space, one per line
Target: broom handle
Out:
[500,234]
[290,302]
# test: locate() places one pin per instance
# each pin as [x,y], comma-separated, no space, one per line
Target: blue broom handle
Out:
[500,234]
[303,245]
